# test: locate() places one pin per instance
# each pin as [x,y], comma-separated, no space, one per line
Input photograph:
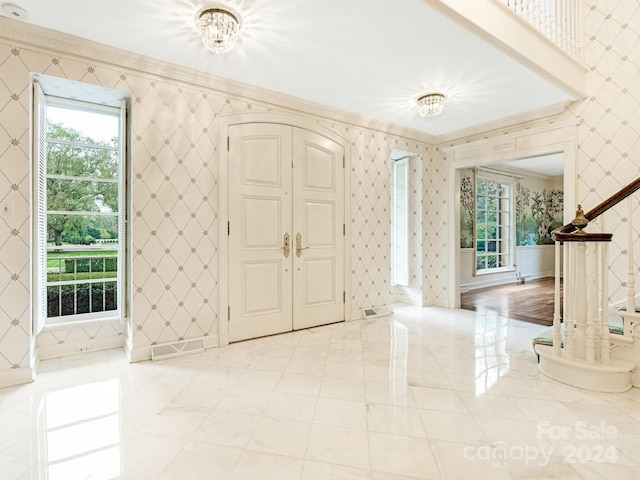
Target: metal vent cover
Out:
[176,349]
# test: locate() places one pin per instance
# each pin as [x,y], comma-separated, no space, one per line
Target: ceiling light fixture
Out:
[218,28]
[14,11]
[431,104]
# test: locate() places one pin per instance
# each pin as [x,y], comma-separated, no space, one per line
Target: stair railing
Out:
[561,21]
[586,283]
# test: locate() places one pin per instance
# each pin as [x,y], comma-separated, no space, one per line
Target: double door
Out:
[286,230]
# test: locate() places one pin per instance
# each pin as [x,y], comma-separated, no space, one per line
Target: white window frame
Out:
[400,270]
[507,231]
[40,141]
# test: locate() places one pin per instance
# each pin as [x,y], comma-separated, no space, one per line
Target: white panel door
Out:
[286,243]
[260,288]
[318,217]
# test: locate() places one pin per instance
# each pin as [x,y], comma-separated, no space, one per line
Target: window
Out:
[400,222]
[79,217]
[493,225]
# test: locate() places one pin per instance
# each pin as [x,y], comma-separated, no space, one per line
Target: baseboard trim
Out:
[46,352]
[467,287]
[16,376]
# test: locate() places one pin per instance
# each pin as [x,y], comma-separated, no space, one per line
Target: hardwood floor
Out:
[531,301]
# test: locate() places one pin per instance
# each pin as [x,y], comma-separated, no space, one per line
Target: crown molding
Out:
[490,129]
[50,41]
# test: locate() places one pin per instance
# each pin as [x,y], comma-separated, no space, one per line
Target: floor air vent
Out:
[375,312]
[175,349]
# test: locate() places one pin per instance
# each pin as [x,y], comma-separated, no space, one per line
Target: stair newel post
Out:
[631,279]
[580,291]
[605,346]
[557,341]
[593,310]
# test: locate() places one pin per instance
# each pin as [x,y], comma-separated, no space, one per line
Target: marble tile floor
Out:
[426,393]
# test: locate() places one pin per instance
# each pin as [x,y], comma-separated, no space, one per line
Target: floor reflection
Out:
[79,432]
[492,360]
[398,361]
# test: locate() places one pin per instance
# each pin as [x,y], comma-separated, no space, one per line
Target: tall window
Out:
[79,231]
[400,222]
[493,236]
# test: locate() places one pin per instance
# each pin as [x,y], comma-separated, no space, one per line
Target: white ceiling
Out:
[369,57]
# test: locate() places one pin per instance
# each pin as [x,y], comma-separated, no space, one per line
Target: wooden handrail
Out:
[562,234]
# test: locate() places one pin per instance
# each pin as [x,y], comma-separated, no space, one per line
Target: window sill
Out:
[51,327]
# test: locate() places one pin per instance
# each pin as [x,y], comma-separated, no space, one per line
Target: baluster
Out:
[581,21]
[590,343]
[536,16]
[605,347]
[581,305]
[573,15]
[562,23]
[556,23]
[569,299]
[557,339]
[548,19]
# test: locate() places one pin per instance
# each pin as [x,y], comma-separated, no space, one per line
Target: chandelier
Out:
[218,28]
[431,104]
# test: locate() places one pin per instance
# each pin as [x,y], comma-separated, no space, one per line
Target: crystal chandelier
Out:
[431,104]
[218,28]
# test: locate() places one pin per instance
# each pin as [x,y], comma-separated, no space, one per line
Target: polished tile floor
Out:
[427,393]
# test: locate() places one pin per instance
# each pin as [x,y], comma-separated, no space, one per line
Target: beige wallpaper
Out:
[175,203]
[175,259]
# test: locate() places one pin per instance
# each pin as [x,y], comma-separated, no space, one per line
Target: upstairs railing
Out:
[586,333]
[561,21]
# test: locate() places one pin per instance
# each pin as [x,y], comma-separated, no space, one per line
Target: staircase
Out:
[585,350]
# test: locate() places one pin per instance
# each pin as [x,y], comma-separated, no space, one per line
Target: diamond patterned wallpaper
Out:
[175,204]
[435,218]
[609,132]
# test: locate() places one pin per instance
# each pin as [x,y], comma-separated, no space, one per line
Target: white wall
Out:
[534,262]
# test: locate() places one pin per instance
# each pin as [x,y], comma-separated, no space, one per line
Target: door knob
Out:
[286,245]
[299,245]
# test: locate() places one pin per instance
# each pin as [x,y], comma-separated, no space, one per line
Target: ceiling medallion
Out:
[218,29]
[431,104]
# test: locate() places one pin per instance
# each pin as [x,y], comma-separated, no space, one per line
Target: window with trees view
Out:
[493,225]
[80,205]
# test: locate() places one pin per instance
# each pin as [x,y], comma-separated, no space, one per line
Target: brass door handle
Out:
[287,245]
[299,245]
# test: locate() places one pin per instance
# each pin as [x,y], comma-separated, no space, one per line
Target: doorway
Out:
[508,211]
[533,143]
[286,230]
